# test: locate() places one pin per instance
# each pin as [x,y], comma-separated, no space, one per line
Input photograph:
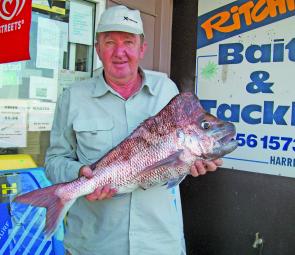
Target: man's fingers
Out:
[201,167]
[218,162]
[94,195]
[194,171]
[91,197]
[86,171]
[88,174]
[104,192]
[210,166]
[101,193]
[198,168]
[111,193]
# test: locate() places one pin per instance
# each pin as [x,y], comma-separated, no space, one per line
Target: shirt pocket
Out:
[94,137]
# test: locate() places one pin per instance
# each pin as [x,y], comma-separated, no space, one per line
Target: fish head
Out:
[204,135]
[214,136]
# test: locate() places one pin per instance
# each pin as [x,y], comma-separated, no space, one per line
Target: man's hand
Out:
[202,167]
[99,193]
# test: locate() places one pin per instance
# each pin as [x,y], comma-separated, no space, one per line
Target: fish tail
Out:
[55,205]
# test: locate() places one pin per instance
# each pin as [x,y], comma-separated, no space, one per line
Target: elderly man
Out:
[95,115]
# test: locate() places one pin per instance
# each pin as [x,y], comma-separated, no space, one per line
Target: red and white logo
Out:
[15,22]
[11,8]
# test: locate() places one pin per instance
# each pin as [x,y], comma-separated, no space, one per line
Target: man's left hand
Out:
[201,167]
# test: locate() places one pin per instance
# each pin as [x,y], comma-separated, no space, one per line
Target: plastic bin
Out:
[21,225]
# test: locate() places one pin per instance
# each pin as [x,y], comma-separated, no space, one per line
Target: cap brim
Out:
[119,28]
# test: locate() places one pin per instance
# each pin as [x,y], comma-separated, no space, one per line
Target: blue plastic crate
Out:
[21,226]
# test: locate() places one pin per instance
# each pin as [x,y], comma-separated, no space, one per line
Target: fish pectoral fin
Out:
[172,159]
[173,182]
[147,180]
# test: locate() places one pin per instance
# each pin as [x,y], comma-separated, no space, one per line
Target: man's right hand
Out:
[99,193]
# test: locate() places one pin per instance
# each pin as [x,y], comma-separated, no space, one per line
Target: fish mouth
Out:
[225,142]
[228,147]
[227,139]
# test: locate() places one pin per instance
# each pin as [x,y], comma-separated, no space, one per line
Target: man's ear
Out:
[97,48]
[143,49]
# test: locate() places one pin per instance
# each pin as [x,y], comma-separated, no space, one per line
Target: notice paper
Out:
[13,123]
[80,24]
[48,44]
[66,78]
[40,115]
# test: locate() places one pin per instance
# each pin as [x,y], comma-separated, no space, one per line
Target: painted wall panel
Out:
[244,69]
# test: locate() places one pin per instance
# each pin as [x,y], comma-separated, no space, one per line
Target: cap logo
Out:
[126,18]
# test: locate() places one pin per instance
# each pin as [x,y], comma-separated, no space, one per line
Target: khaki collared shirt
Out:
[90,119]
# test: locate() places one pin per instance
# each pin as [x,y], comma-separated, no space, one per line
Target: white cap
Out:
[120,18]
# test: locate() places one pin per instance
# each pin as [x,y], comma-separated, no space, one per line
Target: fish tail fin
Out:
[55,205]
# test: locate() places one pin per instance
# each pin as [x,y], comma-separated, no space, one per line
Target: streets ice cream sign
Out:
[15,21]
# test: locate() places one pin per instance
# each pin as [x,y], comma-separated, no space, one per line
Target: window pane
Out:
[29,89]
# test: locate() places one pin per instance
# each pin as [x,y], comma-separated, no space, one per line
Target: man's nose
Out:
[119,50]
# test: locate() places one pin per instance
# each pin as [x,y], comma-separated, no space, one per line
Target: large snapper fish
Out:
[160,150]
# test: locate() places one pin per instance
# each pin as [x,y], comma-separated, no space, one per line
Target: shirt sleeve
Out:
[61,163]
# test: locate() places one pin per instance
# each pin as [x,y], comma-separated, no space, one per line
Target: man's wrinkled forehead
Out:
[113,33]
[109,35]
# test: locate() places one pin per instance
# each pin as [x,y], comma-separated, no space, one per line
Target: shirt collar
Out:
[101,87]
[147,84]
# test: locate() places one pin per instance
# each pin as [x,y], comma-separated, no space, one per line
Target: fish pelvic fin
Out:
[56,206]
[172,183]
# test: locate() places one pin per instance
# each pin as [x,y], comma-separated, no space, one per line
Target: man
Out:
[95,115]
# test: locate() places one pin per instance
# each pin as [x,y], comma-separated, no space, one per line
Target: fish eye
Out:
[205,124]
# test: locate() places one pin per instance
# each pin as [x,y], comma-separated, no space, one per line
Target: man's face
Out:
[120,53]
